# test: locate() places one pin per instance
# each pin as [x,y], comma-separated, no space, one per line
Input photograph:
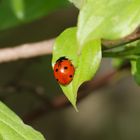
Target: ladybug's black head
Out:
[61,59]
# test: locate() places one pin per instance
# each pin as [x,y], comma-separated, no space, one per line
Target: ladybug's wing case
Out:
[64,71]
[56,69]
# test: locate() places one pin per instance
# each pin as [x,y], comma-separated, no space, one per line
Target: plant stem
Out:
[120,55]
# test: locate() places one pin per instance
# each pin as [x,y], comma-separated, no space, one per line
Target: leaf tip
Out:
[75,107]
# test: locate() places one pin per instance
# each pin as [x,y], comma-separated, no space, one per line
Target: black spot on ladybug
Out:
[65,68]
[56,79]
[56,70]
[70,76]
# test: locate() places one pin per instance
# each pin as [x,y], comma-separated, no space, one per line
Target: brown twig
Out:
[45,47]
[26,51]
[107,44]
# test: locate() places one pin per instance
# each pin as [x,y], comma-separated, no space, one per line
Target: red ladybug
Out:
[64,71]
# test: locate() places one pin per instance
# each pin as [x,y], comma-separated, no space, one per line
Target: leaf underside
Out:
[106,19]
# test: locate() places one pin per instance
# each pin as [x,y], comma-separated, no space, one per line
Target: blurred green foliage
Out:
[16,12]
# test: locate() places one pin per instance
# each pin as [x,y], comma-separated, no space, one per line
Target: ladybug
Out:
[64,71]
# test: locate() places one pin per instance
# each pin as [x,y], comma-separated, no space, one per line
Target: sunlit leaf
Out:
[86,64]
[12,127]
[108,19]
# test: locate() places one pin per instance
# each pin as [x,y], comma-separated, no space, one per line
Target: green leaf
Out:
[12,127]
[86,64]
[105,19]
[129,51]
[135,69]
[78,3]
[28,10]
[18,8]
